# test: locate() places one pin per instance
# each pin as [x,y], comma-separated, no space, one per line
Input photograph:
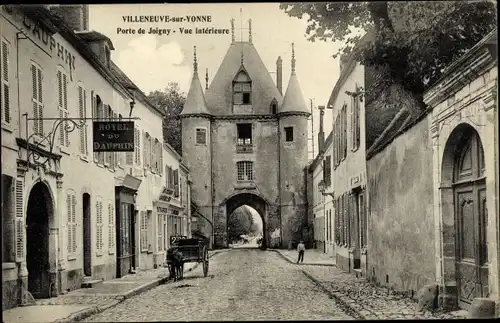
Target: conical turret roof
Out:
[294,99]
[195,100]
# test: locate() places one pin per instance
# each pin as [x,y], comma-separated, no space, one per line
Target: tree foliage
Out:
[171,99]
[240,222]
[414,40]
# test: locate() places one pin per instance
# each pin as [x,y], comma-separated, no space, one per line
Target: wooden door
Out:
[470,222]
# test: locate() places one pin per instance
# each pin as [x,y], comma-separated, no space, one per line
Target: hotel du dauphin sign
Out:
[115,136]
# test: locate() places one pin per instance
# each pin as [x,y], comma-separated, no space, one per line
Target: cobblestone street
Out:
[244,284]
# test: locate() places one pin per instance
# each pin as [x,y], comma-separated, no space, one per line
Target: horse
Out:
[176,265]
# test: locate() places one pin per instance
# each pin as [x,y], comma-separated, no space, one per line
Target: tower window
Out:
[244,133]
[245,170]
[274,107]
[201,136]
[242,89]
[288,134]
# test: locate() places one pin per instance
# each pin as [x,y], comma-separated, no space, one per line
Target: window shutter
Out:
[111,228]
[95,117]
[73,226]
[81,114]
[20,228]
[137,139]
[160,166]
[40,101]
[5,86]
[352,128]
[69,222]
[19,199]
[176,182]
[85,128]
[34,99]
[145,150]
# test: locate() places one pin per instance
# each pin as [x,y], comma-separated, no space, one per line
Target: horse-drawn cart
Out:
[183,250]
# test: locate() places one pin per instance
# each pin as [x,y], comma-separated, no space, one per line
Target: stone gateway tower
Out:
[247,145]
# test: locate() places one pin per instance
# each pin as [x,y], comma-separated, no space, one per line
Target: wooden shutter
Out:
[19,233]
[111,227]
[176,182]
[145,150]
[4,85]
[95,117]
[137,139]
[19,199]
[81,114]
[160,167]
[73,220]
[69,223]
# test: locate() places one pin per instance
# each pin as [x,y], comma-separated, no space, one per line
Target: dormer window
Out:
[274,106]
[242,89]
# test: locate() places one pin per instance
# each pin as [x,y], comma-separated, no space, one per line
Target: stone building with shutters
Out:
[246,144]
[347,187]
[69,215]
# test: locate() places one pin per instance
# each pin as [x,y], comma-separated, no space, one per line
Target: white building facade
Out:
[66,209]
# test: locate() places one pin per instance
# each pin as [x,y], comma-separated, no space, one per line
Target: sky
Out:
[152,61]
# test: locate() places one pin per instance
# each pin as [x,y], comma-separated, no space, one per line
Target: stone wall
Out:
[400,214]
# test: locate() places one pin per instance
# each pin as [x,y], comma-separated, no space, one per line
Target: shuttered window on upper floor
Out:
[4,84]
[82,113]
[37,98]
[62,85]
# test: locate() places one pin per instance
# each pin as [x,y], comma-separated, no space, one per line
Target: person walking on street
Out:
[301,248]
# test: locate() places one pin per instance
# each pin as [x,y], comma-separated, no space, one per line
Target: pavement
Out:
[311,257]
[362,299]
[80,303]
[243,285]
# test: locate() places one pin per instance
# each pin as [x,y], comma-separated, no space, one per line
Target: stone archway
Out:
[254,201]
[464,217]
[40,248]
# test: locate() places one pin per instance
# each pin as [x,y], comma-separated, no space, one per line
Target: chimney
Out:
[321,133]
[75,16]
[279,74]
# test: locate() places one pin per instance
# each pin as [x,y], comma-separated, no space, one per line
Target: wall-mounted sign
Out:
[164,195]
[114,136]
[175,239]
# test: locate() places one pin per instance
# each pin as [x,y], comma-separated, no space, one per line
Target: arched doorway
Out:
[38,214]
[464,168]
[245,227]
[254,201]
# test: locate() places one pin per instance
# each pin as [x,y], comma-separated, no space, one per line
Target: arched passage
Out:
[463,203]
[39,215]
[254,201]
[244,227]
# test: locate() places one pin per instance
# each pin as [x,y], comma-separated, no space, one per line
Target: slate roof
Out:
[138,94]
[92,35]
[195,100]
[294,99]
[218,96]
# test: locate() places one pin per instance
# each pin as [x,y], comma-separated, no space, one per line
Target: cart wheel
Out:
[205,263]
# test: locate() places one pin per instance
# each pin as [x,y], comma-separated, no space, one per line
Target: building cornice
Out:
[460,76]
[293,114]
